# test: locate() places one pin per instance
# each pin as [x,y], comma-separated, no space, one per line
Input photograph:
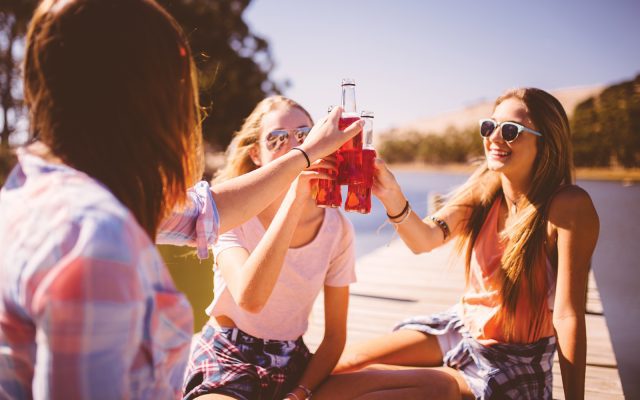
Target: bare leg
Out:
[403,347]
[406,384]
[465,390]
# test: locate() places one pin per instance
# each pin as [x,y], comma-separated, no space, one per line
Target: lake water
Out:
[615,261]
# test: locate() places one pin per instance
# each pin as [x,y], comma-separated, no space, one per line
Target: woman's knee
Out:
[441,386]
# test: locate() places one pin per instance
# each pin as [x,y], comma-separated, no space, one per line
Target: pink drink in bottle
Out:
[328,194]
[359,191]
[350,153]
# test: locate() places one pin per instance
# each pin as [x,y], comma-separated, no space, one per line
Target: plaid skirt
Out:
[499,371]
[231,362]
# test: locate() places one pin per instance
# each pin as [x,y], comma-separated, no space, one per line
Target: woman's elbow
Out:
[568,320]
[416,249]
[337,337]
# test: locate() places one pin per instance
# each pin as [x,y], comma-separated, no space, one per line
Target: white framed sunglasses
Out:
[276,139]
[508,130]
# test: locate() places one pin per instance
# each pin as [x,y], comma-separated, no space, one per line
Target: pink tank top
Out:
[481,306]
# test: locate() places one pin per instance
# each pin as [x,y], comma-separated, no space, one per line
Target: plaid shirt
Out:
[499,371]
[88,308]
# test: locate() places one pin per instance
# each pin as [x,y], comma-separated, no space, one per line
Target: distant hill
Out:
[461,119]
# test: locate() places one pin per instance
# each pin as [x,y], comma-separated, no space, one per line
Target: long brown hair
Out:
[239,160]
[526,237]
[112,91]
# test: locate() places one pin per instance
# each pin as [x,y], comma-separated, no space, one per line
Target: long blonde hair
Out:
[239,160]
[524,250]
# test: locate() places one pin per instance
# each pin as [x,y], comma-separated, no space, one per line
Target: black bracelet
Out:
[404,210]
[304,153]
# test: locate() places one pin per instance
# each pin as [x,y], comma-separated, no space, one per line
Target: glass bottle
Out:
[350,153]
[359,190]
[328,192]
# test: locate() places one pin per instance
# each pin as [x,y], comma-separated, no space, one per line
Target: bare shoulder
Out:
[572,207]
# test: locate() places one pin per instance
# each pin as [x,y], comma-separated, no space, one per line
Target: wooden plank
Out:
[394,284]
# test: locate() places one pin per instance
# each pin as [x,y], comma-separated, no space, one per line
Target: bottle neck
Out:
[367,133]
[349,98]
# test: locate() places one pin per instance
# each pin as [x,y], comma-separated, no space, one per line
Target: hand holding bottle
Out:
[325,137]
[386,188]
[303,185]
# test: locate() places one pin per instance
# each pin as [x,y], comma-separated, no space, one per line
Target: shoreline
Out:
[626,176]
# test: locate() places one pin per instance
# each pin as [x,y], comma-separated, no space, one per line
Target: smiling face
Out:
[281,118]
[515,158]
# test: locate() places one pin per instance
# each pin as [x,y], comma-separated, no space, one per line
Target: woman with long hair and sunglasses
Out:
[269,271]
[88,308]
[527,234]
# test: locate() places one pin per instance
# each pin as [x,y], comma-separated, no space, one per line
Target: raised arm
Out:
[243,197]
[573,215]
[420,235]
[251,277]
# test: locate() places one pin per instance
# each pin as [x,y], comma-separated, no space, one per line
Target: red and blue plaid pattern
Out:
[87,306]
[232,362]
[498,371]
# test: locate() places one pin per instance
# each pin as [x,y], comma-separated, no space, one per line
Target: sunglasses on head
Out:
[508,130]
[276,139]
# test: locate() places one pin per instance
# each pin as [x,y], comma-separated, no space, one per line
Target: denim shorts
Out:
[231,362]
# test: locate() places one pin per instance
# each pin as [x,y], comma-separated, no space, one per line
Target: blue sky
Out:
[415,59]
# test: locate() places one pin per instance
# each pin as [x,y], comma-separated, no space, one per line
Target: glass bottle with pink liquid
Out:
[328,194]
[349,154]
[360,182]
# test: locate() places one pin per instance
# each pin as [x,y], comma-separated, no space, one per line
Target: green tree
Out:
[233,63]
[634,123]
[393,149]
[616,117]
[14,17]
[591,146]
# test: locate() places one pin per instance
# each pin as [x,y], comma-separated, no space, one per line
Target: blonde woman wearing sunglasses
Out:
[268,273]
[527,234]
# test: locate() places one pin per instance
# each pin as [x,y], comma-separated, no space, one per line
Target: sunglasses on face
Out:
[508,130]
[276,139]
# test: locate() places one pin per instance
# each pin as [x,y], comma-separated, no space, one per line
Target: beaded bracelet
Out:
[404,210]
[291,394]
[442,225]
[306,390]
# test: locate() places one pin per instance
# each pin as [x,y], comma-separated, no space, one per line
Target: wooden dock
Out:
[393,284]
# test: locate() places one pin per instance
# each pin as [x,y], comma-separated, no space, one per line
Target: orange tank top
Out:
[481,306]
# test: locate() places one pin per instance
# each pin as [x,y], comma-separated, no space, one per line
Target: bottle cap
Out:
[348,82]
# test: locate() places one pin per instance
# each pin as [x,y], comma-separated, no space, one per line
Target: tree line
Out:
[233,70]
[233,66]
[233,63]
[605,133]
